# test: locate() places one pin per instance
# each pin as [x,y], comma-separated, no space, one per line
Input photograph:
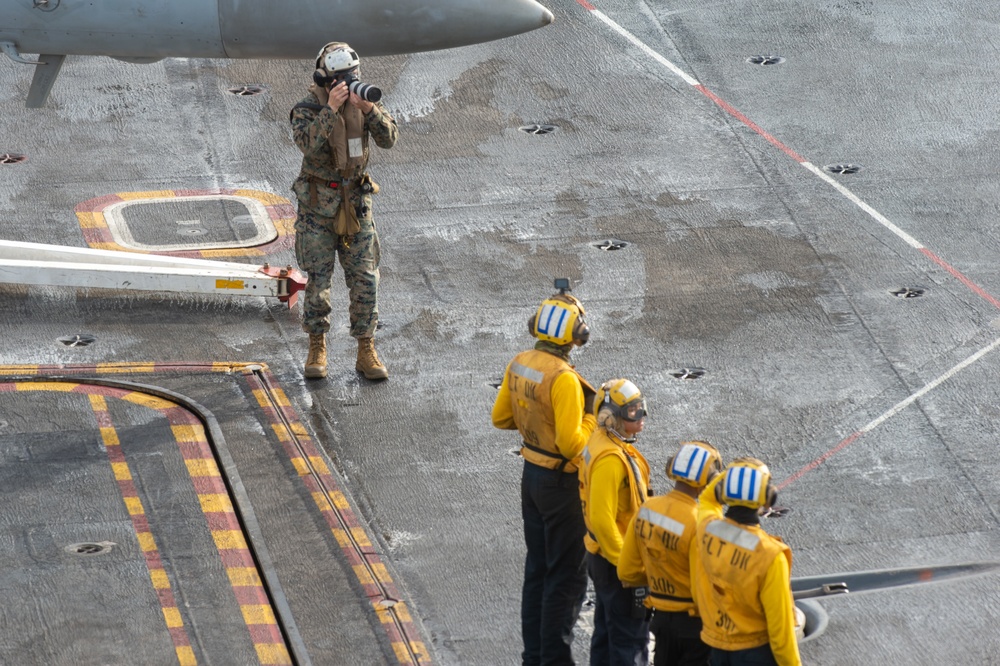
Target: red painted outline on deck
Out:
[97,233]
[725,106]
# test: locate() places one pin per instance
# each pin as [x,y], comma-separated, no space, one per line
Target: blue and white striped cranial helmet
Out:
[747,483]
[695,464]
[559,320]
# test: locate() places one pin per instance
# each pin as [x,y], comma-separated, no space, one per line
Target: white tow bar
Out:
[61,266]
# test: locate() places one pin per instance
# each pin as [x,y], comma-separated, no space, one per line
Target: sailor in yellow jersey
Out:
[614,482]
[550,404]
[656,553]
[741,574]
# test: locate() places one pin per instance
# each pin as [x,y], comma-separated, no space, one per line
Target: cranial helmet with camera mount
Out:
[747,483]
[623,398]
[695,464]
[559,319]
[334,60]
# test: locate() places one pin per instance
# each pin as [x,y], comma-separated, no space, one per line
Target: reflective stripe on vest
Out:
[658,519]
[602,443]
[640,483]
[733,534]
[530,374]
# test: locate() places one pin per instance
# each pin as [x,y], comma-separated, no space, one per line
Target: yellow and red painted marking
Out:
[98,234]
[349,532]
[224,525]
[122,368]
[216,505]
[147,542]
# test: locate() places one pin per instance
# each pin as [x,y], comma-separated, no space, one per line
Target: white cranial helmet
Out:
[337,57]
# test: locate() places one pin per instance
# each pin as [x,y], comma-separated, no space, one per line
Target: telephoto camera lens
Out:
[365,91]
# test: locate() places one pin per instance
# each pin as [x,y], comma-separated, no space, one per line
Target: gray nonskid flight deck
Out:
[754,304]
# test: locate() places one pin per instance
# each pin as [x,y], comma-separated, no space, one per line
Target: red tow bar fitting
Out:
[290,282]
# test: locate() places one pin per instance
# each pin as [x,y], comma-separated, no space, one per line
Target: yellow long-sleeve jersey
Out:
[656,551]
[554,424]
[611,492]
[741,579]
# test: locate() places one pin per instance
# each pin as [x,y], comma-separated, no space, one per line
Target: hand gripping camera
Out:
[365,91]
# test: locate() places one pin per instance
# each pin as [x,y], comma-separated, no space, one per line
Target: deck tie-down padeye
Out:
[61,266]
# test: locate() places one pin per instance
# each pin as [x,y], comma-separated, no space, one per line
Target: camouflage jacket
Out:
[312,129]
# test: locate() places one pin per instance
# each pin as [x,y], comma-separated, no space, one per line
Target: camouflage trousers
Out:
[317,248]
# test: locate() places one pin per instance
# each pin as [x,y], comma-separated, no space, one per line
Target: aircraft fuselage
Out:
[150,29]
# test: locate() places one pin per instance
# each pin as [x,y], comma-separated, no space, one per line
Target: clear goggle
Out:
[635,411]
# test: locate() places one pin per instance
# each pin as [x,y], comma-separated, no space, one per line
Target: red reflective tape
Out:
[152,557]
[209,485]
[819,461]
[237,558]
[725,106]
[194,451]
[180,636]
[961,278]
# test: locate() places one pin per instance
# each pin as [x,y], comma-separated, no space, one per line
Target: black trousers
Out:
[678,639]
[555,573]
[758,656]
[619,638]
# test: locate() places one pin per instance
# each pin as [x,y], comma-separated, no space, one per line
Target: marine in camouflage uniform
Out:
[335,148]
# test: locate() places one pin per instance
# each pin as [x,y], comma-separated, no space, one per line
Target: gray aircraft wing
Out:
[857,582]
[143,31]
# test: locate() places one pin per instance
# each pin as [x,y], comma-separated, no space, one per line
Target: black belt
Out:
[667,597]
[543,452]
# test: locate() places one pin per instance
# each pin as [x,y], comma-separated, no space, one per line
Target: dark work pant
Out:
[555,574]
[758,656]
[619,639]
[678,639]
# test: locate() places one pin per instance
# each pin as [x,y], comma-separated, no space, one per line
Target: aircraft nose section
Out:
[533,12]
[512,17]
[376,27]
[443,24]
